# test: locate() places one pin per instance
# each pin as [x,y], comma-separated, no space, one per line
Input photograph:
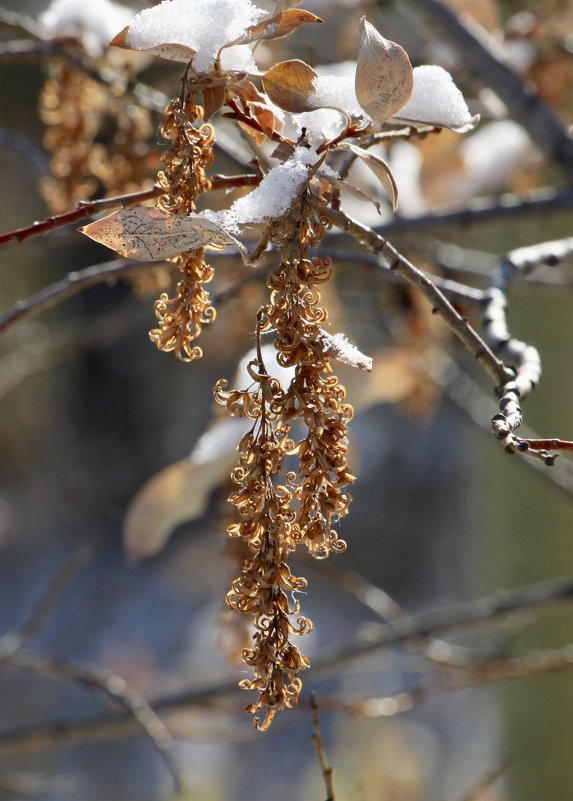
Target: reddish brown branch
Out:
[89,208]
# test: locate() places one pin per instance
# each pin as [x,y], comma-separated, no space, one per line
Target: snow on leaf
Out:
[275,27]
[174,28]
[380,169]
[154,234]
[384,79]
[338,346]
[290,86]
[273,197]
[167,50]
[436,100]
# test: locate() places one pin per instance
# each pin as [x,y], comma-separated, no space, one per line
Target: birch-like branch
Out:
[440,304]
[501,209]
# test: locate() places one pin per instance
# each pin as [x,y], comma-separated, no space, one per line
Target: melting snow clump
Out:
[202,25]
[273,196]
[337,91]
[436,98]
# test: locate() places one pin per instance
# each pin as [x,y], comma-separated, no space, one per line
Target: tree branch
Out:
[475,49]
[87,208]
[482,210]
[440,304]
[112,686]
[453,618]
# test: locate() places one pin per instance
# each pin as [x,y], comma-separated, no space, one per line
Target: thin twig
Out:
[488,780]
[440,304]
[112,686]
[316,738]
[91,207]
[504,208]
[455,618]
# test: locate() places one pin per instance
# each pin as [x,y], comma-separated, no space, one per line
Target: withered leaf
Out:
[213,99]
[280,24]
[289,85]
[170,51]
[380,169]
[177,494]
[154,234]
[384,80]
[334,180]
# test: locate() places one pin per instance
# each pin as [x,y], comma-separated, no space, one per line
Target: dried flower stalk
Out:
[183,178]
[275,518]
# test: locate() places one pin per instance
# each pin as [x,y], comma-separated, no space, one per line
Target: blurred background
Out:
[91,411]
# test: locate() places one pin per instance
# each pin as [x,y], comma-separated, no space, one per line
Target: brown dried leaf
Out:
[155,235]
[172,52]
[213,99]
[289,85]
[275,27]
[265,117]
[384,80]
[380,169]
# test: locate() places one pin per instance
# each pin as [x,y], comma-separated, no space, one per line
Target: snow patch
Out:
[202,25]
[272,198]
[93,22]
[436,100]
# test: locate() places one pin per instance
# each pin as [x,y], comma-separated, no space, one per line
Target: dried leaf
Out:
[176,495]
[384,80]
[155,235]
[289,85]
[172,52]
[213,99]
[380,169]
[275,27]
[334,180]
[247,90]
[264,116]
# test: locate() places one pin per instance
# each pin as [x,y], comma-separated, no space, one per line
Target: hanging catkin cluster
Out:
[183,179]
[277,517]
[70,107]
[96,135]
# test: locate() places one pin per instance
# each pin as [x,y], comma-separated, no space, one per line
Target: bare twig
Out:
[477,53]
[482,210]
[112,686]
[21,22]
[455,618]
[458,325]
[487,781]
[89,208]
[316,738]
[476,404]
